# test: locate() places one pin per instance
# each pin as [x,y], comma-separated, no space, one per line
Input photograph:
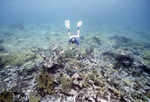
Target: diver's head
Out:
[73,40]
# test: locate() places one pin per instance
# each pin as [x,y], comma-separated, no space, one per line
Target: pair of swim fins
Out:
[67,23]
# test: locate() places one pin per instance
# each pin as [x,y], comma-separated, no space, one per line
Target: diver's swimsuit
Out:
[75,41]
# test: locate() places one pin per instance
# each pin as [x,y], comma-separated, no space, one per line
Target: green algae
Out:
[88,77]
[111,68]
[45,81]
[146,57]
[34,98]
[138,100]
[6,96]
[148,94]
[16,59]
[102,90]
[117,93]
[66,83]
[138,97]
[127,81]
[95,78]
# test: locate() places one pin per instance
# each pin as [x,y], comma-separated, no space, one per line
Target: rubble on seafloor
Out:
[65,76]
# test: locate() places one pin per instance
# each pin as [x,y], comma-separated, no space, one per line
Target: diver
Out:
[74,38]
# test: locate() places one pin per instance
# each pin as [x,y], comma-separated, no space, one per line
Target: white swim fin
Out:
[67,24]
[79,24]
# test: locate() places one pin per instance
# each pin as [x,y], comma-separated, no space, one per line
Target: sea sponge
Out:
[6,96]
[45,81]
[66,83]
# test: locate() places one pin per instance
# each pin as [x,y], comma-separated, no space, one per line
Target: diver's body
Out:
[74,38]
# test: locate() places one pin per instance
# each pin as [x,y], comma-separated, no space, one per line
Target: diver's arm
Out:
[69,32]
[79,48]
[69,46]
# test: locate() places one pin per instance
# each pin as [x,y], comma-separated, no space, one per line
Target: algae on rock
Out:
[97,39]
[146,57]
[6,96]
[17,59]
[97,80]
[127,81]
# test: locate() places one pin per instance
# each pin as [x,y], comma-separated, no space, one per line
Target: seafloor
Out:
[37,66]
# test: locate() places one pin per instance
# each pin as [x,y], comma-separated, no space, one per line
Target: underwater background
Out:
[113,64]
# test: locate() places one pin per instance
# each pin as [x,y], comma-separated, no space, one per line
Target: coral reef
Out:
[53,56]
[108,69]
[107,76]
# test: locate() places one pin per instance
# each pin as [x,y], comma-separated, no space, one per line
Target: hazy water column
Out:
[132,13]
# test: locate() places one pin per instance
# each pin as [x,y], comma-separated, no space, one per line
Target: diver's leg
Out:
[78,31]
[67,24]
[78,25]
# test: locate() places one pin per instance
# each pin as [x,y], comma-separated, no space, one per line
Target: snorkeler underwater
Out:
[74,38]
[74,51]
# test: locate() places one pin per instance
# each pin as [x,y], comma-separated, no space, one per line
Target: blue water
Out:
[37,19]
[104,17]
[128,13]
